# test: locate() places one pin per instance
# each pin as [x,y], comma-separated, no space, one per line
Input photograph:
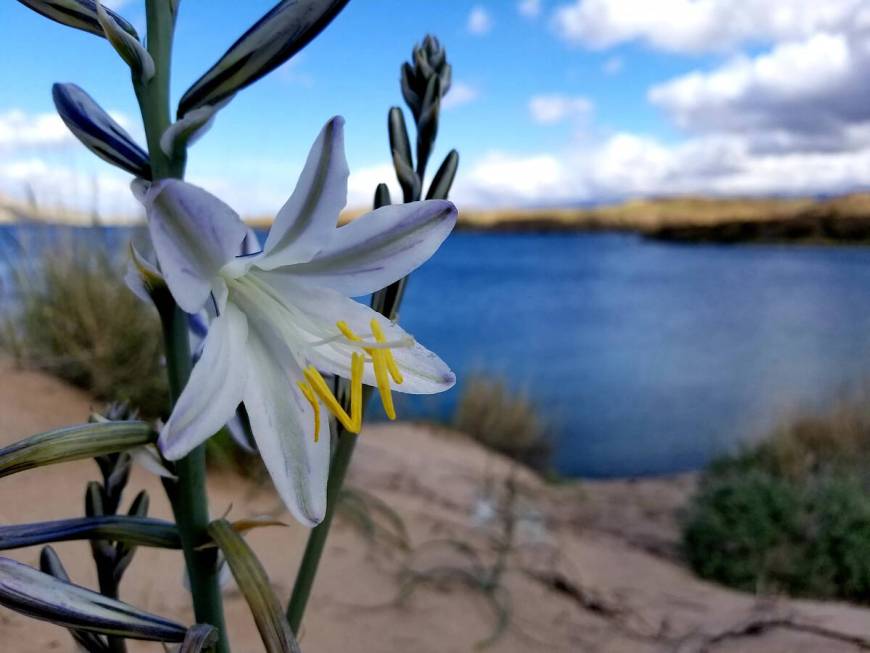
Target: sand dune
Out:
[590,568]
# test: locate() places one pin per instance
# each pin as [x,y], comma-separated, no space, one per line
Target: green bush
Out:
[504,421]
[791,514]
[73,316]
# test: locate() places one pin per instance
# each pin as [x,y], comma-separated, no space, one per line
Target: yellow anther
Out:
[308,393]
[383,363]
[388,355]
[346,331]
[356,375]
[318,385]
[383,380]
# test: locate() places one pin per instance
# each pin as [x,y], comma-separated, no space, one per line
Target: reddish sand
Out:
[589,568]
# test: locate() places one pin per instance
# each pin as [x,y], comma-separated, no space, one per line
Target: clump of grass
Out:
[71,315]
[835,439]
[792,513]
[504,421]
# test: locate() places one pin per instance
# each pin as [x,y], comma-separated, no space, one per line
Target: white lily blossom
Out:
[284,315]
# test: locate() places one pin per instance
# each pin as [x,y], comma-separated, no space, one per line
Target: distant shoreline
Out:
[840,220]
[684,219]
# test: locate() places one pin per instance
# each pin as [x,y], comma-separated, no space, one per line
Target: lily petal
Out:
[379,248]
[194,235]
[283,427]
[423,371]
[214,390]
[305,223]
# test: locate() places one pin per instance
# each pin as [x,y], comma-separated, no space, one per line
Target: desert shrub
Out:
[503,420]
[792,513]
[71,315]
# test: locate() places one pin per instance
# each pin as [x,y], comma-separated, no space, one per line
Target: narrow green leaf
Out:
[42,596]
[74,443]
[141,531]
[443,180]
[254,584]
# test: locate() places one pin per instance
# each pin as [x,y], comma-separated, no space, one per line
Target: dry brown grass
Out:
[836,438]
[503,420]
[75,318]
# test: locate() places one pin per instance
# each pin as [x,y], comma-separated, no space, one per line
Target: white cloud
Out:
[613,66]
[68,190]
[479,21]
[41,160]
[363,181]
[529,8]
[19,130]
[500,179]
[550,109]
[627,165]
[460,93]
[815,91]
[700,25]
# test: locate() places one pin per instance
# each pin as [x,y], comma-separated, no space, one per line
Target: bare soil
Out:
[576,567]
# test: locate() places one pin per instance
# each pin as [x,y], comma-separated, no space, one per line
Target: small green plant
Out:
[73,316]
[504,421]
[792,513]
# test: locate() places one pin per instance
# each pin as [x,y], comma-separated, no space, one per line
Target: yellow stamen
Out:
[356,375]
[345,329]
[383,380]
[308,393]
[388,355]
[318,385]
[382,361]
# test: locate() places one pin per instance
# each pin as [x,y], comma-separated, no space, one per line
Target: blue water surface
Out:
[644,357]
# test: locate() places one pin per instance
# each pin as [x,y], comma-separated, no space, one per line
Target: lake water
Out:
[644,357]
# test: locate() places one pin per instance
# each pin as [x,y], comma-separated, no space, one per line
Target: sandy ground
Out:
[582,568]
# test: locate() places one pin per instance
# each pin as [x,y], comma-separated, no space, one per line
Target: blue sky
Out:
[554,102]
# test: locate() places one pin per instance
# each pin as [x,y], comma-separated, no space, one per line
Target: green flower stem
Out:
[153,95]
[317,539]
[187,494]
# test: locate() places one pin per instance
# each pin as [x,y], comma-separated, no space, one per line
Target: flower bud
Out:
[98,131]
[428,61]
[81,14]
[43,596]
[287,28]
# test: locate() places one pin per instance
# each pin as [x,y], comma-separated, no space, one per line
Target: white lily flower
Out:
[284,315]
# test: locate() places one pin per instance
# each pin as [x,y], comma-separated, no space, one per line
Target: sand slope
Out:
[589,569]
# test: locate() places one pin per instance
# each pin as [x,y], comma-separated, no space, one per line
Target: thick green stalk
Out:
[317,539]
[154,95]
[188,493]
